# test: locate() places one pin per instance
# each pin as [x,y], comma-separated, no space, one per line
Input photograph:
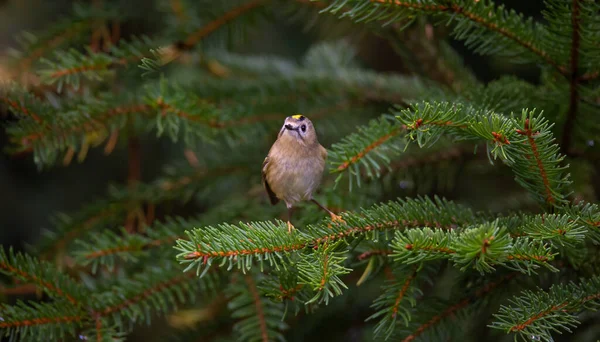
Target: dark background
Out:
[29,197]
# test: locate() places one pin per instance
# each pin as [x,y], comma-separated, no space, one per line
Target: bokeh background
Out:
[29,197]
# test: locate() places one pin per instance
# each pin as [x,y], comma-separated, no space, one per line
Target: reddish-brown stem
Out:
[98,122]
[316,242]
[195,37]
[147,293]
[134,161]
[369,254]
[40,321]
[573,80]
[39,282]
[54,42]
[92,67]
[20,108]
[536,155]
[260,314]
[402,292]
[458,10]
[368,149]
[460,305]
[130,248]
[19,289]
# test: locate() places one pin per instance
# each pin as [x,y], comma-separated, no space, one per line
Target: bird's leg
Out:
[289,222]
[334,217]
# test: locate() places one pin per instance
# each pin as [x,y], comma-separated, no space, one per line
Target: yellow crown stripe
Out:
[297,116]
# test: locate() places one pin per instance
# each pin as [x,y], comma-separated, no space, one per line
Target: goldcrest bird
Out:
[294,166]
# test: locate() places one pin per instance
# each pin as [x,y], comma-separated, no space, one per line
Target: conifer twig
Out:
[451,310]
[259,307]
[197,36]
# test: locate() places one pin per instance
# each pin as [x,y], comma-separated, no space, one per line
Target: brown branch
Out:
[195,37]
[368,149]
[554,308]
[19,289]
[574,80]
[91,126]
[458,10]
[52,43]
[20,108]
[369,254]
[83,68]
[458,306]
[536,155]
[130,248]
[316,242]
[80,228]
[260,314]
[147,293]
[590,76]
[402,292]
[39,282]
[40,321]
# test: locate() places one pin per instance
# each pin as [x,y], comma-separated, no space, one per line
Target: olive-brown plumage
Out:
[294,166]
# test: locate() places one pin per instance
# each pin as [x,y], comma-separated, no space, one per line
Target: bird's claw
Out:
[336,219]
[290,227]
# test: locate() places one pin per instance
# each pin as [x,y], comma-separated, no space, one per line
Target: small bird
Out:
[294,166]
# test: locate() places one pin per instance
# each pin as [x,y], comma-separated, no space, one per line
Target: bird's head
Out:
[300,128]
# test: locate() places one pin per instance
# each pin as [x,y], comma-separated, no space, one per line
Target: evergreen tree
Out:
[468,205]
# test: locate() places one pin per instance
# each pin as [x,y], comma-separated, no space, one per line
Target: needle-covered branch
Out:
[483,26]
[481,247]
[397,299]
[541,313]
[40,321]
[158,289]
[526,144]
[258,318]
[44,275]
[240,246]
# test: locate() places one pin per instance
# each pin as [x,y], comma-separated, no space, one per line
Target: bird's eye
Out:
[303,128]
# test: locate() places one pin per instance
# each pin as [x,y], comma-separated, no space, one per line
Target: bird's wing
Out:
[323,152]
[272,196]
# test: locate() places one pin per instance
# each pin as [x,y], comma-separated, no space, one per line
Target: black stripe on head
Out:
[299,117]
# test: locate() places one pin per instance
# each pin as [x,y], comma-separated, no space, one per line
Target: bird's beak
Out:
[291,128]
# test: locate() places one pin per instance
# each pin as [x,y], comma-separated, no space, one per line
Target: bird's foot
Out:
[290,227]
[336,219]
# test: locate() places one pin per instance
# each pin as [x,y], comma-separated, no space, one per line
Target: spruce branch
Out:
[265,242]
[194,38]
[363,148]
[71,65]
[67,30]
[477,23]
[540,313]
[158,289]
[40,321]
[398,296]
[478,294]
[321,270]
[43,274]
[260,319]
[525,144]
[481,247]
